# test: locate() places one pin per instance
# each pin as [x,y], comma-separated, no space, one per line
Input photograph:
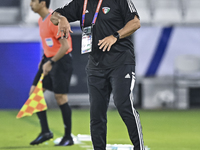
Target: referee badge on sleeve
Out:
[49,42]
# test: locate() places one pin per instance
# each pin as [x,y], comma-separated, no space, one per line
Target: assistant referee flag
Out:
[35,102]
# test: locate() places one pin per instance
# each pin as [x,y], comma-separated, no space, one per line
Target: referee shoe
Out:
[42,137]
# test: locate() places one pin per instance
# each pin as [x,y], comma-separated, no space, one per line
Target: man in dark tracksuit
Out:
[111,65]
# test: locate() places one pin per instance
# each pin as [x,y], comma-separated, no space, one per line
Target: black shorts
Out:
[58,79]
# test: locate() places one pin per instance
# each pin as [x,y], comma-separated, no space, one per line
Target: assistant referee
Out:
[107,27]
[56,65]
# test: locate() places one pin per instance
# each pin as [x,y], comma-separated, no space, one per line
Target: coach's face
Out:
[36,6]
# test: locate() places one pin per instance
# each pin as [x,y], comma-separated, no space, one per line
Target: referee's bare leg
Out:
[62,101]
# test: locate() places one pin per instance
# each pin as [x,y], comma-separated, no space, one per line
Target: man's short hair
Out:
[47,2]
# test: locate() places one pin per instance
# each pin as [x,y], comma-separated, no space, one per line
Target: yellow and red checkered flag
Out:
[35,102]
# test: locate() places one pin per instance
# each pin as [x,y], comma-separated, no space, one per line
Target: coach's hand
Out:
[47,67]
[107,42]
[64,27]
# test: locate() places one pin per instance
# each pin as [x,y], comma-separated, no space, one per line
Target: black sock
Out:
[66,114]
[43,121]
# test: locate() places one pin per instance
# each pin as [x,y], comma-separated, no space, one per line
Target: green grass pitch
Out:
[162,130]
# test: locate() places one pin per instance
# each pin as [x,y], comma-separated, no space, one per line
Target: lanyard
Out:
[96,13]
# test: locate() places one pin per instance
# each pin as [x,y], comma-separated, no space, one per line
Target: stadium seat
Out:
[144,10]
[192,11]
[167,12]
[186,75]
[12,15]
[28,17]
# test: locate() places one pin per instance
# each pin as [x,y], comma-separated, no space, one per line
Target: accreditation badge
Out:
[86,46]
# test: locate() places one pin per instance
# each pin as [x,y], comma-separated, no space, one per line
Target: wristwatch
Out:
[52,62]
[116,34]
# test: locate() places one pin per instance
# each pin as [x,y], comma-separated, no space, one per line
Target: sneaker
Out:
[42,137]
[65,142]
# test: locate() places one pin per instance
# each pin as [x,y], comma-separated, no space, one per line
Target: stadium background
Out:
[170,30]
[167,51]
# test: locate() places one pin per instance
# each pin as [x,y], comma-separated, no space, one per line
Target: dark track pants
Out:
[120,81]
